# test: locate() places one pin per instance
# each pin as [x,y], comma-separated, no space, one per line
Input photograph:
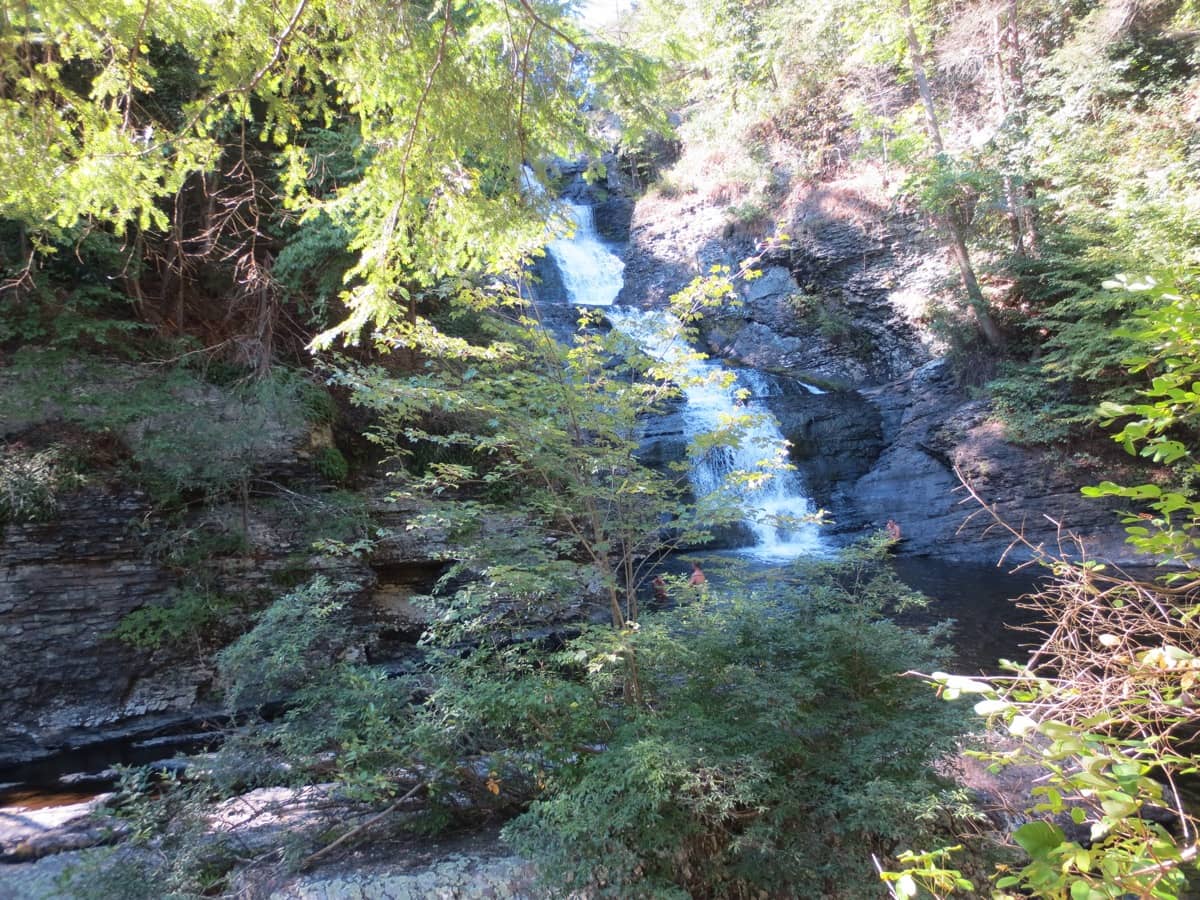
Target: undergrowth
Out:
[186,437]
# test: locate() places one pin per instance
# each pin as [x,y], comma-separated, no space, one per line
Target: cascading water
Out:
[754,470]
[591,273]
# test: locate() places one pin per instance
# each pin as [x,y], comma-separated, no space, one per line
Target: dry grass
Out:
[1112,643]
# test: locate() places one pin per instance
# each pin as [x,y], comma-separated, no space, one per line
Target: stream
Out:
[715,398]
[977,597]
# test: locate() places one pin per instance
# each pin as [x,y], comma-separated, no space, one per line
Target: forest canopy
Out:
[383,140]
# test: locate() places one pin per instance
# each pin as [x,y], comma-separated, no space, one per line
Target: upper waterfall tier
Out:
[592,274]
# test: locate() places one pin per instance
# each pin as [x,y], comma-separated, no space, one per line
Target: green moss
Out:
[332,464]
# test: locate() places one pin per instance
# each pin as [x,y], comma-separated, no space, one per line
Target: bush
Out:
[300,634]
[777,749]
[186,437]
[30,483]
[1037,412]
[191,613]
[332,464]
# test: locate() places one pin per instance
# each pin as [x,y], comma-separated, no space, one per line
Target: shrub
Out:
[30,483]
[186,437]
[332,464]
[192,613]
[300,634]
[1037,412]
[777,749]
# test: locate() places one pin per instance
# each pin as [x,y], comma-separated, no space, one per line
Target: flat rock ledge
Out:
[456,877]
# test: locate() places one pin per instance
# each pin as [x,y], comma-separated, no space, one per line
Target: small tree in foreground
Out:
[547,436]
[777,749]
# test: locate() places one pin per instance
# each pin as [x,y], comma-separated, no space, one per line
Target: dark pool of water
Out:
[988,624]
[89,770]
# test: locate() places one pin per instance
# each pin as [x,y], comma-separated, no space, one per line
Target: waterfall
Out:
[591,273]
[716,399]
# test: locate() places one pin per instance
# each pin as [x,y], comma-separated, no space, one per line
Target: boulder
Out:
[930,429]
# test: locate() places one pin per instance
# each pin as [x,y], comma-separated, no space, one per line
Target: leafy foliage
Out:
[193,616]
[1036,411]
[1161,424]
[397,178]
[561,426]
[776,751]
[298,635]
[30,483]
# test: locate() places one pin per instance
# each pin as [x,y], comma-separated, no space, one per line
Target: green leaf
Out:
[1038,838]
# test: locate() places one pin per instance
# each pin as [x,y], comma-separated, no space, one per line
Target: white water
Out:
[591,273]
[752,470]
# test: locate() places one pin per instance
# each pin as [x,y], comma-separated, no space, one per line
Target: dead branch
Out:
[1108,640]
[359,829]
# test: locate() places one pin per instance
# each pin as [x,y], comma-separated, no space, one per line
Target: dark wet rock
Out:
[664,440]
[613,217]
[835,438]
[71,690]
[66,586]
[930,428]
[843,305]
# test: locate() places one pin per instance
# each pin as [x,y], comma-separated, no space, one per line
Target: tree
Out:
[1019,195]
[554,431]
[952,216]
[150,119]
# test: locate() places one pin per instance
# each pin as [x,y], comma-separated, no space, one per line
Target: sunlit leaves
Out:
[447,100]
[1159,425]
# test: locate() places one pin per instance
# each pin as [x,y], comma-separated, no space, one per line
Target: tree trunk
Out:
[978,303]
[952,217]
[917,59]
[1011,93]
[1012,199]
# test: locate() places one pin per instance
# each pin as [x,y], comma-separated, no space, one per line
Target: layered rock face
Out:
[65,586]
[931,433]
[844,307]
[106,549]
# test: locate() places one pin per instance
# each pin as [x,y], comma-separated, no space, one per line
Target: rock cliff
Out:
[845,304]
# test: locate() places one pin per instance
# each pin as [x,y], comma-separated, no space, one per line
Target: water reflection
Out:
[980,599]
